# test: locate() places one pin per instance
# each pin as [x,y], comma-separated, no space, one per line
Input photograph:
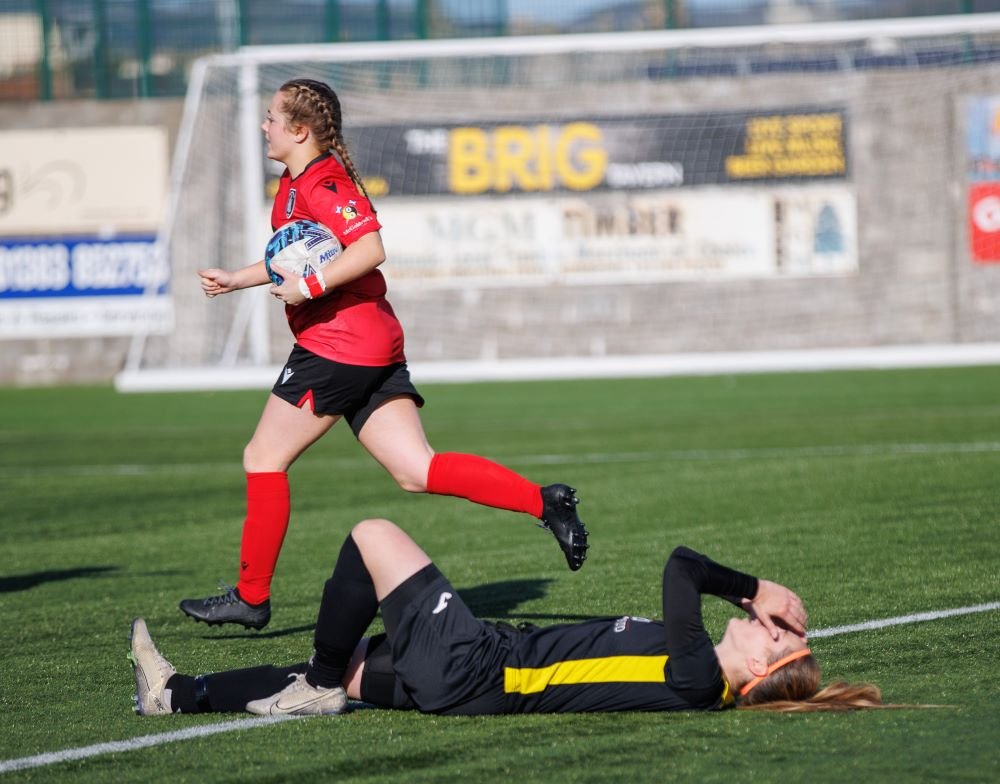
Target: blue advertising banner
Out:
[79,213]
[116,286]
[81,267]
[982,134]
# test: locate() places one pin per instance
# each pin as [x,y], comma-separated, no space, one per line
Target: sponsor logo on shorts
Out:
[287,374]
[442,604]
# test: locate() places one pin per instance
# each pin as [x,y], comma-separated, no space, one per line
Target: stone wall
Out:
[916,283]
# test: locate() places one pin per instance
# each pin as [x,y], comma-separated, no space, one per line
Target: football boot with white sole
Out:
[299,698]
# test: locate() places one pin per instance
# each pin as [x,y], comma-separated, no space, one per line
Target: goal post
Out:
[621,203]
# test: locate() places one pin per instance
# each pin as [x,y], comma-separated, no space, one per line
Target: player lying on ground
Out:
[436,657]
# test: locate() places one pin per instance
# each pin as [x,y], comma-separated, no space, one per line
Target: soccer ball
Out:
[302,247]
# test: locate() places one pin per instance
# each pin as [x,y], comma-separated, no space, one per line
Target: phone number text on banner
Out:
[72,287]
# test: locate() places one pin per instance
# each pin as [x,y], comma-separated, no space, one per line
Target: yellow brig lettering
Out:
[591,158]
[469,169]
[528,159]
[513,151]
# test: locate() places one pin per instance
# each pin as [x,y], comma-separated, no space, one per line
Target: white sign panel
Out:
[82,181]
[703,234]
[79,211]
[87,317]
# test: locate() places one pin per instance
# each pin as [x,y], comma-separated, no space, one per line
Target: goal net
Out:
[623,201]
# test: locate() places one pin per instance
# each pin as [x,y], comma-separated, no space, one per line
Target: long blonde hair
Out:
[316,106]
[795,689]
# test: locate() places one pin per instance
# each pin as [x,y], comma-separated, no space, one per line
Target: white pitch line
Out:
[832,631]
[141,742]
[579,458]
[146,741]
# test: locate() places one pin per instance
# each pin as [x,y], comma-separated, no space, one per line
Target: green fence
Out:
[112,49]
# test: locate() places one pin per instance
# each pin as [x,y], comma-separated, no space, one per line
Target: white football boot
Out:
[299,698]
[152,671]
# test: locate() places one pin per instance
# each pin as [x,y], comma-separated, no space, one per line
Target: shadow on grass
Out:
[498,601]
[492,601]
[24,582]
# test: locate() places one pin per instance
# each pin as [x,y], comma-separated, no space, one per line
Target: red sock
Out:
[484,482]
[268,510]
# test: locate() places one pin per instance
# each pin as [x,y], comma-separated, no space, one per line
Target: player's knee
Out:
[256,459]
[248,458]
[251,458]
[411,483]
[372,530]
[411,477]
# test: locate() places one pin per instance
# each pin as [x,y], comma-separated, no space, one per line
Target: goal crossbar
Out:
[716,37]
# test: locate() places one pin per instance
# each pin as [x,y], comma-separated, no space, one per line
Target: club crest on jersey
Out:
[290,203]
[348,211]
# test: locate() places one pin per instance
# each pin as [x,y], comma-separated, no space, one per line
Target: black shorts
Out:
[352,391]
[444,659]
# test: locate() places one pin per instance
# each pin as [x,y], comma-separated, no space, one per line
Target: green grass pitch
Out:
[873,494]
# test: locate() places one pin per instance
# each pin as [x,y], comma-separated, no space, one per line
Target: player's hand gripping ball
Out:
[302,247]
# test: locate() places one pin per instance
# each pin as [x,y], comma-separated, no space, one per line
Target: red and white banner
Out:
[984,222]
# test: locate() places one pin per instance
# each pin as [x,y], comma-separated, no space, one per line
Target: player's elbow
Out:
[683,560]
[682,553]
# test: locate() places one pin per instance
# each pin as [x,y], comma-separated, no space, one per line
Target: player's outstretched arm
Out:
[216,281]
[775,602]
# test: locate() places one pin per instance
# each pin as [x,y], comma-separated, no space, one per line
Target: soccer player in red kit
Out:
[348,361]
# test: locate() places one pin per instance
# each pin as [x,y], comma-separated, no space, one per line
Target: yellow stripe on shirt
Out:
[607,669]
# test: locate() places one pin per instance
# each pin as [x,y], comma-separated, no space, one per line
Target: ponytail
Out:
[794,688]
[839,696]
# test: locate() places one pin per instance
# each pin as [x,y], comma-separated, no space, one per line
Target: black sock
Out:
[183,698]
[228,692]
[349,605]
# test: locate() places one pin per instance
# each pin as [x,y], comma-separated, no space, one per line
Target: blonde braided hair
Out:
[315,105]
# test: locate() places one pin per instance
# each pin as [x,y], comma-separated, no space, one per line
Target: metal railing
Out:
[114,49]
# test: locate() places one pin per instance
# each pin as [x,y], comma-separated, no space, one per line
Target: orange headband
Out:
[771,668]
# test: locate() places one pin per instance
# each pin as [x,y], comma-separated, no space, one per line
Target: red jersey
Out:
[354,323]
